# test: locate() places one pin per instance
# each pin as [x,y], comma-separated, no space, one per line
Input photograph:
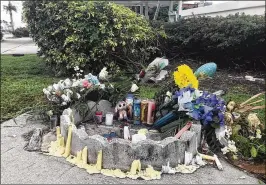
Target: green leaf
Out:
[253,152]
[262,148]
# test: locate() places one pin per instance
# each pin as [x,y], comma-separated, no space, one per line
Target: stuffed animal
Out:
[121,109]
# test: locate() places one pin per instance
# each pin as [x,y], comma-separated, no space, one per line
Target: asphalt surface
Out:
[21,167]
[24,45]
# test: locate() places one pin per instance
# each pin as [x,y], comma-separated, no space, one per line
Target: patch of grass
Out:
[22,81]
[239,94]
[147,92]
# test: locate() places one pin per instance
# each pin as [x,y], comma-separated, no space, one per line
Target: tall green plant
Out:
[89,34]
[235,40]
[9,9]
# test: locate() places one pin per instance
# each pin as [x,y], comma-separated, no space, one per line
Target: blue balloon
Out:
[208,69]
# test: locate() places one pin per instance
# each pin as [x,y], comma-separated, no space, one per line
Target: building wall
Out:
[227,8]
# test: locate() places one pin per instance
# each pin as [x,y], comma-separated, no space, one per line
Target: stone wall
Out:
[120,153]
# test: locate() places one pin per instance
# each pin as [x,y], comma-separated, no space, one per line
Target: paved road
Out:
[22,167]
[23,45]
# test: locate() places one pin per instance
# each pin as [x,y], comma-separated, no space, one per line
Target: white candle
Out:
[109,118]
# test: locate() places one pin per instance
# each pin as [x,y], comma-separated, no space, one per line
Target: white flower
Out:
[67,83]
[183,99]
[78,96]
[76,68]
[65,98]
[169,94]
[225,150]
[103,74]
[76,83]
[102,86]
[61,85]
[68,91]
[258,134]
[81,71]
[64,103]
[251,137]
[50,88]
[49,113]
[134,88]
[56,87]
[46,92]
[198,93]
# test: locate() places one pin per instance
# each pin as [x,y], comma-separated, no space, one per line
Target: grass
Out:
[22,81]
[23,78]
[147,92]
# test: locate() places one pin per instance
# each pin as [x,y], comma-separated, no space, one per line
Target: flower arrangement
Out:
[201,105]
[184,76]
[66,91]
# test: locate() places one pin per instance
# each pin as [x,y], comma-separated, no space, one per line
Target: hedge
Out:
[21,32]
[232,41]
[89,34]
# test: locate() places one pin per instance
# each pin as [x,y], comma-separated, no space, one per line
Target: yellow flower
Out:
[184,77]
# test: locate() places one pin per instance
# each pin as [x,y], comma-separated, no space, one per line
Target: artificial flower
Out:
[63,103]
[102,86]
[184,76]
[46,92]
[93,79]
[61,84]
[251,137]
[49,113]
[78,96]
[68,83]
[86,84]
[56,87]
[65,98]
[76,68]
[50,88]
[103,74]
[77,83]
[258,134]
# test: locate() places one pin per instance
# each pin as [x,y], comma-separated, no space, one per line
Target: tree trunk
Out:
[11,20]
[157,11]
[146,10]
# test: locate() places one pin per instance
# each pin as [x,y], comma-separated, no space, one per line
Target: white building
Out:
[206,8]
[227,8]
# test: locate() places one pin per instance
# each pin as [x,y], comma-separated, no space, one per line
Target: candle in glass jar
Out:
[109,118]
[99,116]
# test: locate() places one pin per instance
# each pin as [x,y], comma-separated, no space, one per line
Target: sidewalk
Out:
[21,167]
[23,45]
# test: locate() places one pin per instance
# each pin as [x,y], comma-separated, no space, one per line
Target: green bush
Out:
[21,32]
[235,40]
[89,34]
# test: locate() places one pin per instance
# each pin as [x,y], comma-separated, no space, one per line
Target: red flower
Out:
[86,84]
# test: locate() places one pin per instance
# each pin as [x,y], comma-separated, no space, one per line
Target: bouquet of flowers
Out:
[201,105]
[66,91]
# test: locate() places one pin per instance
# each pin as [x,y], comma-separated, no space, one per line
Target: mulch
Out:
[222,79]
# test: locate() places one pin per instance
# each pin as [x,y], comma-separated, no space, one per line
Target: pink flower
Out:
[86,84]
